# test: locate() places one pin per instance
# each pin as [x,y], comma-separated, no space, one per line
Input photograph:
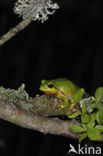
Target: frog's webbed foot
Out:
[61,104]
[58,105]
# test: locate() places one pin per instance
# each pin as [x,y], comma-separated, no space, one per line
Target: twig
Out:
[12,32]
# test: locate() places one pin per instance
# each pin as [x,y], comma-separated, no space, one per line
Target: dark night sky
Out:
[69,44]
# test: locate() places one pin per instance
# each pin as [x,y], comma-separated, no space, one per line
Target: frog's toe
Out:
[59,105]
[63,106]
[70,108]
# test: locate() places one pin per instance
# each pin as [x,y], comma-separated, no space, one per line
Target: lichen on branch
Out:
[42,105]
[17,107]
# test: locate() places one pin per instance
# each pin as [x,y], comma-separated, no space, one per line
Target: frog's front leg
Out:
[75,99]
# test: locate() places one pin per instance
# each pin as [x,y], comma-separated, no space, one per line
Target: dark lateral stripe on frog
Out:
[69,97]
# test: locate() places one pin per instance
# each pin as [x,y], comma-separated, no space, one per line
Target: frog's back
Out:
[65,85]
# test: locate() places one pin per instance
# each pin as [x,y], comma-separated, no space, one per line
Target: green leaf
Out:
[77,97]
[98,105]
[82,137]
[74,114]
[94,105]
[94,134]
[92,120]
[99,93]
[99,127]
[91,124]
[84,118]
[84,107]
[92,117]
[76,128]
[99,116]
[85,126]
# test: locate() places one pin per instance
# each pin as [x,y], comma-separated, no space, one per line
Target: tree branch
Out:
[16,107]
[12,32]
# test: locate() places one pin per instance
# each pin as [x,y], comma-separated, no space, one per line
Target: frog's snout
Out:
[41,87]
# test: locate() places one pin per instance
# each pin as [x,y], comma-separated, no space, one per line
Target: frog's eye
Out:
[50,86]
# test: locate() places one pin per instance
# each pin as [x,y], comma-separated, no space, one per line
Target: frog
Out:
[65,90]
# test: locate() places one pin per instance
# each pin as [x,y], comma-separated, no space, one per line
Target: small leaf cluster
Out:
[91,124]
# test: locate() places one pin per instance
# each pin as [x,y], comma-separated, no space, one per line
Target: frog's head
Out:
[48,87]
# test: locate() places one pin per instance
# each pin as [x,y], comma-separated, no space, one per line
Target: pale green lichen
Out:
[20,100]
[14,95]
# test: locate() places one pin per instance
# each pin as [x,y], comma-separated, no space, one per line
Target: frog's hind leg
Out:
[70,108]
[64,101]
[75,100]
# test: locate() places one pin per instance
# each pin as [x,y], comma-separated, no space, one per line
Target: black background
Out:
[69,44]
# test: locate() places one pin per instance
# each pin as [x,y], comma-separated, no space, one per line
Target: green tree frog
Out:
[64,89]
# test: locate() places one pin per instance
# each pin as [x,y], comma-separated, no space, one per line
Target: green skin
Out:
[63,89]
